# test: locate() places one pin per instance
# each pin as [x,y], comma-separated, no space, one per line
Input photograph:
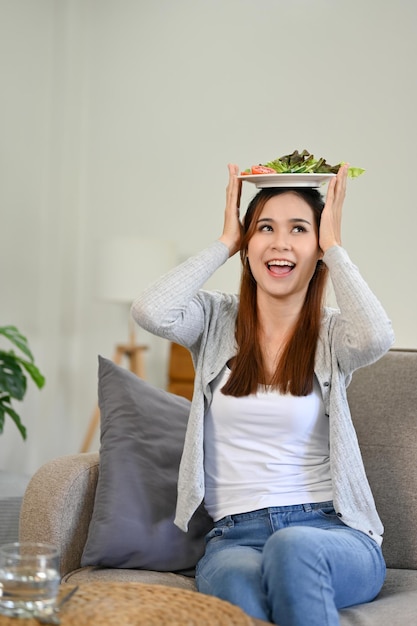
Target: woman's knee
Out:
[292,556]
[235,575]
[291,543]
[229,568]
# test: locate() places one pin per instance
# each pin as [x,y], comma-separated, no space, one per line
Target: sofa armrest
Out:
[58,505]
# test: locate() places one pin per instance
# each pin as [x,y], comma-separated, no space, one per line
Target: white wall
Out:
[118,118]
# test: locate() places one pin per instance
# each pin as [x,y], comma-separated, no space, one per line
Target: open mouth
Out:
[280,267]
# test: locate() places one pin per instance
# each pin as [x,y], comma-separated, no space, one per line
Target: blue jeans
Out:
[292,565]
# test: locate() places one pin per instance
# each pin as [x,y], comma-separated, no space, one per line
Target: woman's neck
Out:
[277,317]
[276,322]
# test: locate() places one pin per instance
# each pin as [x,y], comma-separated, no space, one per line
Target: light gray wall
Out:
[119,117]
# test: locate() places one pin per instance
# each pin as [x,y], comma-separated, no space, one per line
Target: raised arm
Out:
[174,307]
[362,332]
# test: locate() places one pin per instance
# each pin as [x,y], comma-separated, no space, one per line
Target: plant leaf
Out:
[4,408]
[16,337]
[12,379]
[34,373]
[13,382]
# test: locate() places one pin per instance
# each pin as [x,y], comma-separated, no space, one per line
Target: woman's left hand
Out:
[331,219]
[232,229]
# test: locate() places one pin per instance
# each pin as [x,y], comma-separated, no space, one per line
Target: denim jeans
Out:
[292,565]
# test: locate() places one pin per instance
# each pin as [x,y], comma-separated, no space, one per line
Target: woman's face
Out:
[283,251]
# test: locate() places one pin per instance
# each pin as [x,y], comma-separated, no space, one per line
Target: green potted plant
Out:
[13,379]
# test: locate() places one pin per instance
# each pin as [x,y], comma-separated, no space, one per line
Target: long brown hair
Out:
[295,370]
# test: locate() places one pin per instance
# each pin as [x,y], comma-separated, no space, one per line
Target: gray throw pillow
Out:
[142,437]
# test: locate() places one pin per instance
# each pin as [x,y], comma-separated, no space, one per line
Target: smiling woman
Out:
[269,395]
[280,227]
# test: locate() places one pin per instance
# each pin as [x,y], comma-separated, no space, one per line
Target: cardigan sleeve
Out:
[174,307]
[362,331]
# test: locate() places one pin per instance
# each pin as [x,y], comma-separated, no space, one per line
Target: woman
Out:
[270,444]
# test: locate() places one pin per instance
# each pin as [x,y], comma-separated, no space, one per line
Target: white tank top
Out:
[263,450]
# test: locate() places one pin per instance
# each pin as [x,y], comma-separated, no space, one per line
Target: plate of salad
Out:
[298,169]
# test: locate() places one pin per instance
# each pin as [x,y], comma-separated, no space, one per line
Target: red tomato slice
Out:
[262,169]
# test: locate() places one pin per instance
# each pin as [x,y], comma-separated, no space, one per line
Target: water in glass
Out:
[29,578]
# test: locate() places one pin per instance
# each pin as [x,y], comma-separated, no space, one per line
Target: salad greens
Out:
[304,163]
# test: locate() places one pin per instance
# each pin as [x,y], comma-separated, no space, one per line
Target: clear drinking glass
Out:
[29,578]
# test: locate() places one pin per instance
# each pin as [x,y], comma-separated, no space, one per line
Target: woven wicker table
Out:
[137,604]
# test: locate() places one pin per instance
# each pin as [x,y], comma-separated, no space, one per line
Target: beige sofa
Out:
[59,500]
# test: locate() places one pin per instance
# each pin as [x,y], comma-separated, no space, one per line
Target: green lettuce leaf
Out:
[305,163]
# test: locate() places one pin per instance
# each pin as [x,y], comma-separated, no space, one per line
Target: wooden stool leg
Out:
[136,365]
[92,427]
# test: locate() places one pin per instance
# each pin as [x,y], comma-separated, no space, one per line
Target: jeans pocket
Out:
[218,531]
[327,512]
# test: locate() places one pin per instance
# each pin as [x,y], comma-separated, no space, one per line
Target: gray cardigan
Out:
[355,335]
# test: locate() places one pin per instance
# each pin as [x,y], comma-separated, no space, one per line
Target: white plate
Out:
[287,180]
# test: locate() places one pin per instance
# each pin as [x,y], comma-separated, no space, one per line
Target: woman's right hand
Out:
[232,229]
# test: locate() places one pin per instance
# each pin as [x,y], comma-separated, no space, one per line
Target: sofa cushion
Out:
[396,605]
[142,436]
[93,574]
[383,402]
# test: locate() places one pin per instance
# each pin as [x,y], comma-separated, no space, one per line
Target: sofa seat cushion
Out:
[102,574]
[396,605]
